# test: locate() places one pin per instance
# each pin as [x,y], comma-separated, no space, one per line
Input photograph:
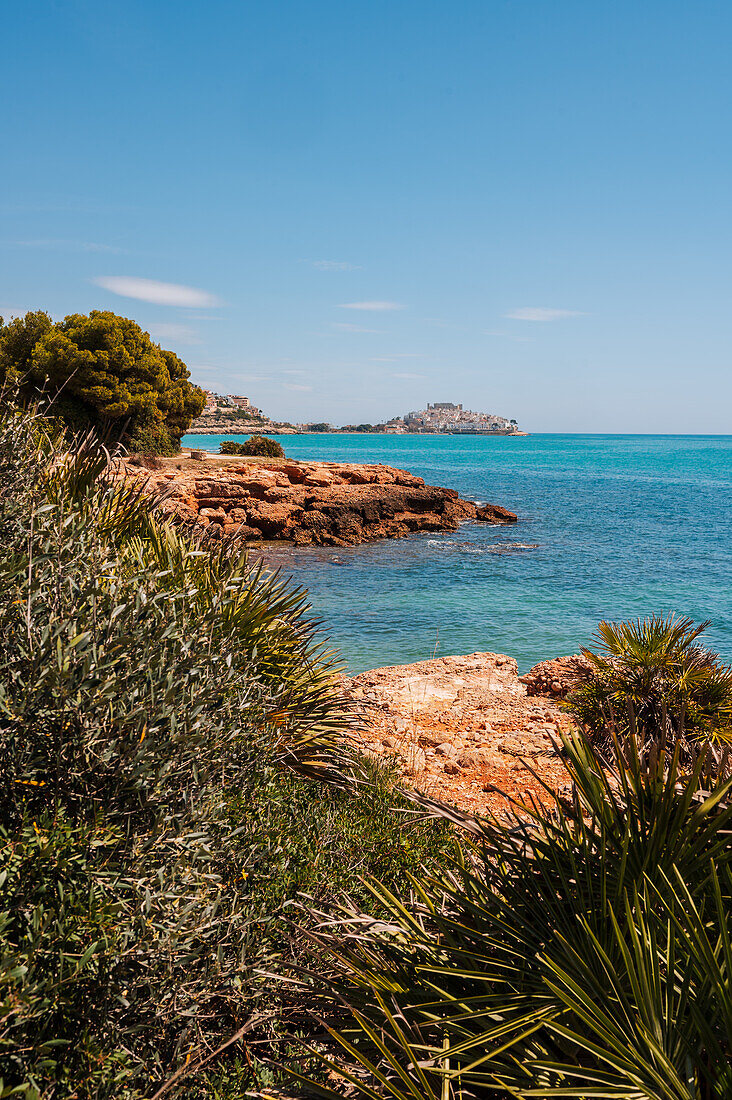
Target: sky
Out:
[347,210]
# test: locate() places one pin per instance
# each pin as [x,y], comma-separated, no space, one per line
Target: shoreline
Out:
[239,428]
[306,503]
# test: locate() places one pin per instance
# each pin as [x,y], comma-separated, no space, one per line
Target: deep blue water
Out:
[609,527]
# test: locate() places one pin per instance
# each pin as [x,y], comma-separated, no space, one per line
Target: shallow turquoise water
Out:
[609,527]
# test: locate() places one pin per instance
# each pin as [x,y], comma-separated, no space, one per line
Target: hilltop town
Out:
[236,414]
[231,413]
[444,417]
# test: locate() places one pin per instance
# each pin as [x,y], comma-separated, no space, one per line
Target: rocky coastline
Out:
[308,503]
[212,425]
[469,730]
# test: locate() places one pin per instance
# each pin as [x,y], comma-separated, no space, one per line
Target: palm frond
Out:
[582,951]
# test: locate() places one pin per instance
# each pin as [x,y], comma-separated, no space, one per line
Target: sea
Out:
[610,527]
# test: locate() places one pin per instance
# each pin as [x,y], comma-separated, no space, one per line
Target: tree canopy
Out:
[104,371]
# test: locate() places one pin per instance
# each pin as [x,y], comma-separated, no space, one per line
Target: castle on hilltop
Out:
[444,416]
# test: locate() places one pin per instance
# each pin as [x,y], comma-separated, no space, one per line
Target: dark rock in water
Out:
[493,513]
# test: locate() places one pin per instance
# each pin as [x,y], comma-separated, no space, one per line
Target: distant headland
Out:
[235,414]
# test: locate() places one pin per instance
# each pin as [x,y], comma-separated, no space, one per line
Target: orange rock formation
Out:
[465,730]
[330,503]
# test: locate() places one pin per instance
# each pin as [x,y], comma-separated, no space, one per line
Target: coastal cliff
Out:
[228,425]
[328,503]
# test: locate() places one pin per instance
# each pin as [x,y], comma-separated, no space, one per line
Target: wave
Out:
[477,548]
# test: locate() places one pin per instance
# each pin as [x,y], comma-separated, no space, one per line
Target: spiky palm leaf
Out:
[583,951]
[261,619]
[653,676]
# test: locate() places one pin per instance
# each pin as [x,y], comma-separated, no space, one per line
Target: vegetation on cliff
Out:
[102,371]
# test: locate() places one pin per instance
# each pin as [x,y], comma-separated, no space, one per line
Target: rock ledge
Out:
[328,503]
[463,729]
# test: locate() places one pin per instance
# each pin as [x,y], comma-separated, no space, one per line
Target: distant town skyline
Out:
[437,417]
[349,211]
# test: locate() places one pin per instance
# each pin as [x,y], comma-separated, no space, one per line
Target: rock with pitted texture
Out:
[557,678]
[463,729]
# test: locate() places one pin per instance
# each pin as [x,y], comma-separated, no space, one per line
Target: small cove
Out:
[609,527]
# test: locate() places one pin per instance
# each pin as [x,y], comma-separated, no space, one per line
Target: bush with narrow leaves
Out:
[157,698]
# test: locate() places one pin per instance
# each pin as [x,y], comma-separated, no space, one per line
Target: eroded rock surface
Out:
[463,729]
[329,503]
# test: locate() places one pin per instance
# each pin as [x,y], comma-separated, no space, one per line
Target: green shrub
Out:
[153,440]
[255,445]
[156,701]
[103,371]
[652,675]
[582,950]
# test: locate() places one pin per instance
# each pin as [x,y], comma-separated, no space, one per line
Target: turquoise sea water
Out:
[609,527]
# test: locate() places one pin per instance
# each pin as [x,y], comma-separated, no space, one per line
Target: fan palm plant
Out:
[584,950]
[260,619]
[654,677]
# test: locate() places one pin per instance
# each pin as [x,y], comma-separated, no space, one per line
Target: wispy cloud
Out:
[70,246]
[179,334]
[335,265]
[8,311]
[541,313]
[411,377]
[161,294]
[293,386]
[374,307]
[344,326]
[396,357]
[512,337]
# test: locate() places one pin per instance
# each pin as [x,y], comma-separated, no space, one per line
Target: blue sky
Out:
[356,208]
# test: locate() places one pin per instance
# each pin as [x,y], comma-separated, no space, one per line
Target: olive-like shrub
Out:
[257,445]
[160,702]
